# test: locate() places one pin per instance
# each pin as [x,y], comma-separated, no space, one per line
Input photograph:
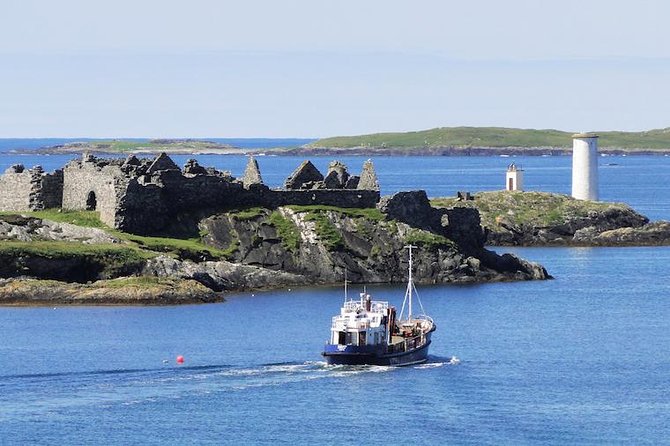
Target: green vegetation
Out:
[329,235]
[288,232]
[526,209]
[110,257]
[247,214]
[154,145]
[191,248]
[58,249]
[427,239]
[327,232]
[368,213]
[89,219]
[136,282]
[497,137]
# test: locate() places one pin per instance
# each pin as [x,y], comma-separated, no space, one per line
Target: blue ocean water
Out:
[581,359]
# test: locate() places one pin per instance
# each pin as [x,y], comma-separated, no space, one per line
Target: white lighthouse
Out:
[514,178]
[585,166]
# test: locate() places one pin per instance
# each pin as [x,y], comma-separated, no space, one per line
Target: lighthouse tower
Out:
[514,178]
[585,166]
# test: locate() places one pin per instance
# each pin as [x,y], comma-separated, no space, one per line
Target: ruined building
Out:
[144,196]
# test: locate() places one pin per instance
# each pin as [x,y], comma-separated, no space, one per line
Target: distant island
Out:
[172,146]
[467,141]
[489,141]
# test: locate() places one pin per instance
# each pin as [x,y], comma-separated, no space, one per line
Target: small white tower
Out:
[585,166]
[514,178]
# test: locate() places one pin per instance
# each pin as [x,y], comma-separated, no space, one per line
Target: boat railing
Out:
[345,322]
[408,344]
[375,305]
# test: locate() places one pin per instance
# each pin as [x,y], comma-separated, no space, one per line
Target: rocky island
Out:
[513,218]
[153,230]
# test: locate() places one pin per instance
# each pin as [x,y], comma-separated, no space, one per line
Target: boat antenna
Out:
[346,296]
[410,282]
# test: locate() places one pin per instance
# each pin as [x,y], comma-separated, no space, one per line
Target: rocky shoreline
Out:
[45,262]
[250,249]
[121,291]
[546,219]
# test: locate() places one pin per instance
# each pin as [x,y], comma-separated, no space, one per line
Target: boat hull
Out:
[353,355]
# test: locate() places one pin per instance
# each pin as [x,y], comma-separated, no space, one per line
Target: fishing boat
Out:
[368,331]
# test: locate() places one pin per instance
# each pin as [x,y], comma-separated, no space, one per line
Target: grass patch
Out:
[136,282]
[465,137]
[247,214]
[89,219]
[191,248]
[113,259]
[329,235]
[372,214]
[287,231]
[57,249]
[527,209]
[427,239]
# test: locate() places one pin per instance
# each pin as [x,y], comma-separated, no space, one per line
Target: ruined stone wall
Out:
[30,190]
[151,206]
[15,191]
[83,178]
[50,193]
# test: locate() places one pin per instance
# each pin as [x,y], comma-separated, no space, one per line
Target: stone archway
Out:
[91,201]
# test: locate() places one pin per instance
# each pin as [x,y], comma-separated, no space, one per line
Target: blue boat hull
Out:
[374,355]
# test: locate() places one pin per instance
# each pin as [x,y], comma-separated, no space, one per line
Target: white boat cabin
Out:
[364,322]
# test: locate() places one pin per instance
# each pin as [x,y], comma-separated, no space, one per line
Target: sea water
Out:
[583,358]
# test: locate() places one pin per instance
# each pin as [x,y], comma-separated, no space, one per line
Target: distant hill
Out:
[172,146]
[495,137]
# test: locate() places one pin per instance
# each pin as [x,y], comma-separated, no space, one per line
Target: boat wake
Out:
[40,394]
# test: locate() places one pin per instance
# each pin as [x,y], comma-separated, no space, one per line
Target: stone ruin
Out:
[33,189]
[145,196]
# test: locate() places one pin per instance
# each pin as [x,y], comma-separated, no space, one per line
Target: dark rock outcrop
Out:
[124,291]
[573,231]
[370,250]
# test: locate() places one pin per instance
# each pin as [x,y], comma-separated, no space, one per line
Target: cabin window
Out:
[361,338]
[342,338]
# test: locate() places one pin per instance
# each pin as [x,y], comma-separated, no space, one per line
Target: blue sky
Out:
[310,69]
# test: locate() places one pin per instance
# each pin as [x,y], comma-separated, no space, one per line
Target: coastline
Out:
[349,151]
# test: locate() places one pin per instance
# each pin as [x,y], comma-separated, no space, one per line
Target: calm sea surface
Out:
[582,359]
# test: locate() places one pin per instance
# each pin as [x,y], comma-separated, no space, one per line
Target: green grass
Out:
[287,231]
[188,248]
[658,139]
[527,209]
[191,248]
[329,235]
[427,239]
[369,213]
[125,146]
[136,282]
[89,219]
[112,258]
[248,214]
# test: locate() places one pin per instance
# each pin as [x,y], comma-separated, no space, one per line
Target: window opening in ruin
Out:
[91,202]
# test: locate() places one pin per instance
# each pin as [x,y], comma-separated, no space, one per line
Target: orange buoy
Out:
[180,359]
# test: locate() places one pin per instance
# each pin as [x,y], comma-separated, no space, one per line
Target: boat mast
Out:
[410,283]
[345,285]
